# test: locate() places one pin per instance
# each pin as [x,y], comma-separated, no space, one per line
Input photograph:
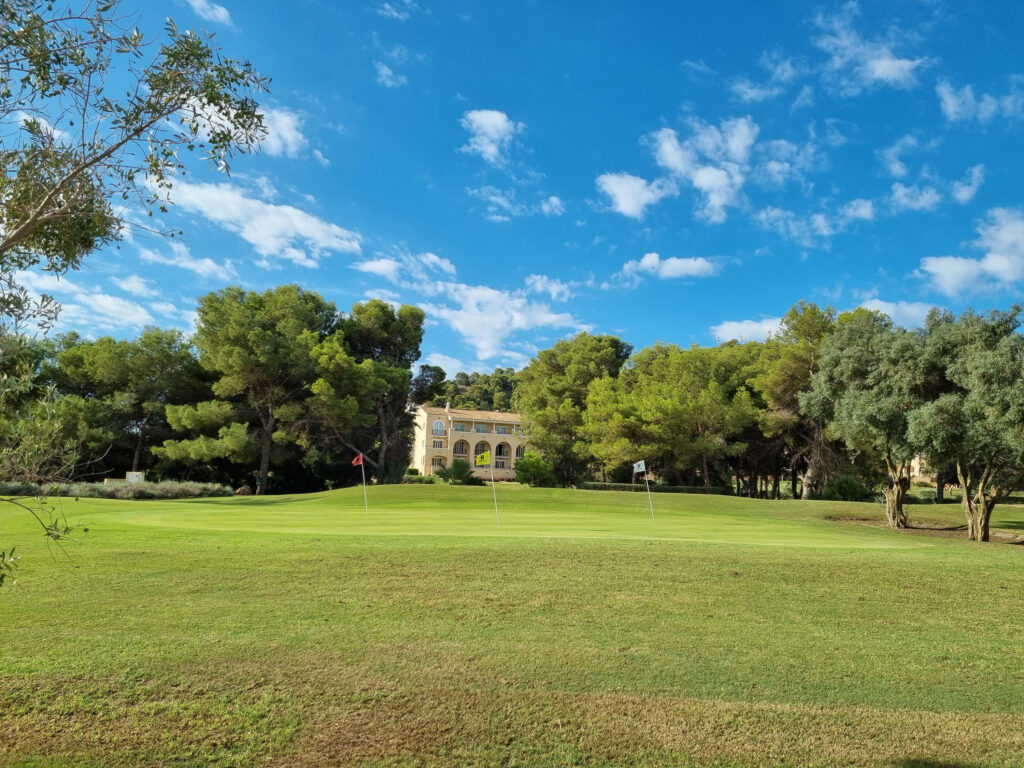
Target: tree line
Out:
[833,404]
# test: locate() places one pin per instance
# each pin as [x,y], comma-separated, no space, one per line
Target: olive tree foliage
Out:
[93,118]
[976,420]
[872,377]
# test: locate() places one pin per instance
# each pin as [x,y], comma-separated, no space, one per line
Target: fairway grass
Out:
[300,630]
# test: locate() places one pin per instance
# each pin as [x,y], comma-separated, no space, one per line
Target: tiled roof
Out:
[462,413]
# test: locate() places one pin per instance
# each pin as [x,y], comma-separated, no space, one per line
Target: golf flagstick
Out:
[359,460]
[641,466]
[485,458]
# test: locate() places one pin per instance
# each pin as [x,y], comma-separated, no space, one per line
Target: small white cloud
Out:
[908,314]
[630,195]
[181,257]
[451,365]
[858,210]
[396,11]
[553,206]
[556,289]
[914,198]
[210,11]
[745,330]
[284,133]
[751,93]
[274,231]
[86,307]
[698,69]
[407,268]
[803,99]
[964,191]
[387,77]
[136,286]
[487,318]
[1001,236]
[891,156]
[321,158]
[671,268]
[962,106]
[856,63]
[490,134]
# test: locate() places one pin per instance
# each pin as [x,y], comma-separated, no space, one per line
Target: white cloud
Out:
[746,330]
[714,160]
[803,99]
[891,156]
[274,231]
[698,69]
[397,11]
[909,314]
[87,307]
[181,257]
[780,161]
[490,134]
[807,231]
[856,63]
[630,195]
[408,269]
[915,198]
[284,133]
[210,11]
[780,68]
[556,289]
[387,76]
[961,105]
[964,191]
[451,365]
[858,210]
[501,205]
[486,317]
[136,286]
[553,206]
[1001,236]
[321,158]
[750,93]
[671,268]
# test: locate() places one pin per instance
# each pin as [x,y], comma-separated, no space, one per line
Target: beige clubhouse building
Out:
[441,435]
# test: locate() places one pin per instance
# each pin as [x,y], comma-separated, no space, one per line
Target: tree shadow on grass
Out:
[925,762]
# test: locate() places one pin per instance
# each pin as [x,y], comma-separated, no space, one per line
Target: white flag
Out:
[640,467]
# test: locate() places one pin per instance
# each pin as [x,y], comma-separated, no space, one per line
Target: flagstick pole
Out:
[366,504]
[649,499]
[494,490]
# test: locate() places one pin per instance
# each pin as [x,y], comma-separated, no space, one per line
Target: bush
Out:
[391,472]
[532,470]
[167,489]
[655,488]
[419,480]
[848,488]
[411,471]
[459,473]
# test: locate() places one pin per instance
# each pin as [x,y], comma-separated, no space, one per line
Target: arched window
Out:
[481,447]
[438,427]
[520,451]
[504,450]
[461,448]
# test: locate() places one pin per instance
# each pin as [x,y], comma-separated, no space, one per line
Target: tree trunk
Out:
[776,491]
[808,481]
[704,465]
[268,440]
[793,479]
[940,487]
[894,495]
[138,445]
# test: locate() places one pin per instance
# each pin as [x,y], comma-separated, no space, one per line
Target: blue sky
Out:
[660,171]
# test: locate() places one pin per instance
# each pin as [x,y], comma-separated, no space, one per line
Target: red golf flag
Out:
[358,461]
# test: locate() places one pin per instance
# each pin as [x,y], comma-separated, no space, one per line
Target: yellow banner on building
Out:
[483,459]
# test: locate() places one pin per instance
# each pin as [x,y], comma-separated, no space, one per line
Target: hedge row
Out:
[165,490]
[655,488]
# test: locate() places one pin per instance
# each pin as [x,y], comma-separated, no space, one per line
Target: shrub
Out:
[532,470]
[411,471]
[167,489]
[459,473]
[419,480]
[391,472]
[847,488]
[655,488]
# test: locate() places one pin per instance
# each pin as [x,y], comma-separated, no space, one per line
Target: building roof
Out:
[462,413]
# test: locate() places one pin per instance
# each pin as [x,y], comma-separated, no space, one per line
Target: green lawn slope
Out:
[302,630]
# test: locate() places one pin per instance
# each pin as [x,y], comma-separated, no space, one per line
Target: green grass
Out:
[299,630]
